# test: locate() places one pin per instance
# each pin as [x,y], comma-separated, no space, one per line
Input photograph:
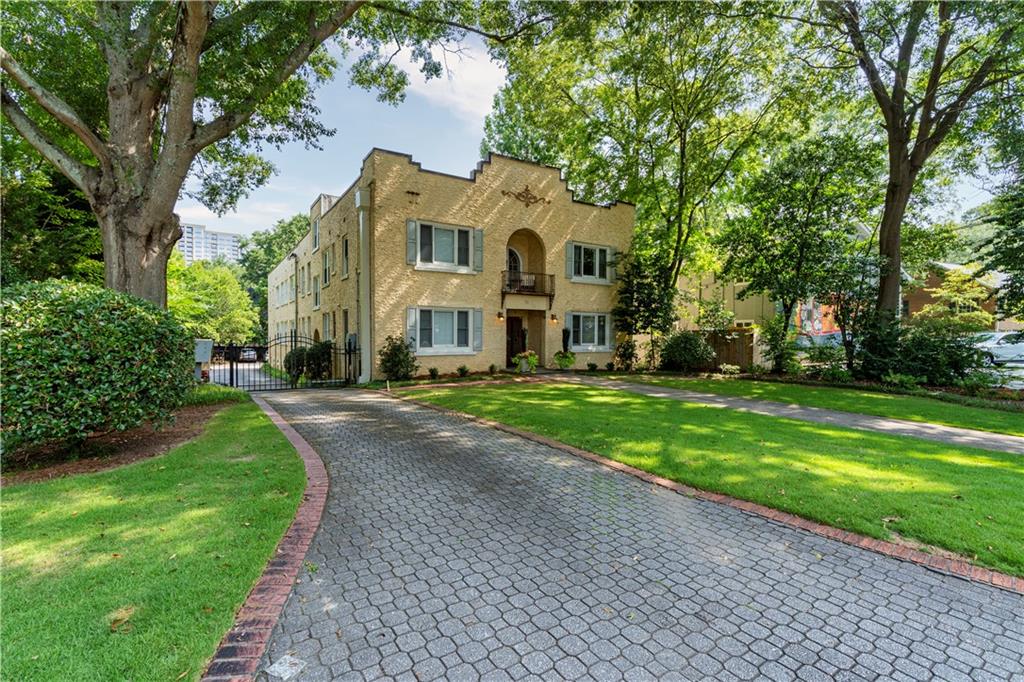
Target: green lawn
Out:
[136,573]
[913,408]
[968,501]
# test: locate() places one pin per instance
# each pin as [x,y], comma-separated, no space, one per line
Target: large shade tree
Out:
[654,103]
[940,74]
[125,97]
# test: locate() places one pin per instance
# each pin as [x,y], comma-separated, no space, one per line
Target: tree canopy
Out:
[208,299]
[130,99]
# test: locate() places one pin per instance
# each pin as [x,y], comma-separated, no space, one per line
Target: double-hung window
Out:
[309,277]
[326,269]
[327,326]
[444,247]
[590,263]
[316,291]
[443,330]
[316,234]
[344,257]
[590,331]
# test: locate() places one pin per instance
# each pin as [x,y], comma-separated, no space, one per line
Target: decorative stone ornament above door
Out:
[526,196]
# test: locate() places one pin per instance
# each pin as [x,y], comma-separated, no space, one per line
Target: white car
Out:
[1000,348]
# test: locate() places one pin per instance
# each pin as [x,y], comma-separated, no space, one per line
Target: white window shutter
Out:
[569,248]
[410,242]
[478,329]
[478,250]
[410,326]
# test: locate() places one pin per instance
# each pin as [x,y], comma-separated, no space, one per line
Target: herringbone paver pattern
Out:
[450,550]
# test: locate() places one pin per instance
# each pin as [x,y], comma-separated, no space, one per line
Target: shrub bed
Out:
[79,359]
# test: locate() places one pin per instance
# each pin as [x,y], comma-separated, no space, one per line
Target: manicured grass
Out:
[912,408]
[967,501]
[136,573]
[211,394]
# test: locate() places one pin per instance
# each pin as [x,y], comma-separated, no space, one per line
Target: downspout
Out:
[363,307]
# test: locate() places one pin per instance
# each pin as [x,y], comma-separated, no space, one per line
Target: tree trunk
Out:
[897,196]
[135,258]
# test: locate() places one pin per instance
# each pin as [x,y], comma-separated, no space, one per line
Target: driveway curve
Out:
[451,550]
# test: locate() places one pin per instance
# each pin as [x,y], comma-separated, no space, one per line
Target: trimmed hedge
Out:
[79,359]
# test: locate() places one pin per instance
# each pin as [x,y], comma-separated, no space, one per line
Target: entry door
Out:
[515,338]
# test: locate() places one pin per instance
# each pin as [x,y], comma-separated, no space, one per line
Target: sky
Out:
[440,124]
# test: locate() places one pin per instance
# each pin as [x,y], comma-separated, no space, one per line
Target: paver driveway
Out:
[452,550]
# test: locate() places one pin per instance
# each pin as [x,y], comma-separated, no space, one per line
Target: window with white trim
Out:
[316,291]
[590,262]
[444,248]
[590,331]
[443,330]
[325,258]
[309,277]
[327,326]
[316,234]
[344,257]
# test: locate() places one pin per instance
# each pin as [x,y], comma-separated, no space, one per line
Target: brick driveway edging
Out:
[238,656]
[957,568]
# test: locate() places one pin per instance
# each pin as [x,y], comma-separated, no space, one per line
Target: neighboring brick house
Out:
[469,270]
[916,298]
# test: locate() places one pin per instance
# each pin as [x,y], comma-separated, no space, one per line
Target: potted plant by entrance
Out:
[565,359]
[526,361]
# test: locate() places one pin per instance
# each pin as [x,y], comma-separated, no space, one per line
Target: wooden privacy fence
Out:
[736,347]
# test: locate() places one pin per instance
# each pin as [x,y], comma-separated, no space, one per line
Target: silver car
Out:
[1000,348]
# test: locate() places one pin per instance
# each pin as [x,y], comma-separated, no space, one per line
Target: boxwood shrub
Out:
[79,359]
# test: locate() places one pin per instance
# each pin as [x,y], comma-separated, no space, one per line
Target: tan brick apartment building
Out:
[469,270]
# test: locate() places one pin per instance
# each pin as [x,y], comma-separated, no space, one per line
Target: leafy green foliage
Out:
[1004,252]
[934,351]
[295,363]
[565,359]
[261,252]
[208,299]
[48,229]
[685,351]
[802,211]
[397,361]
[644,303]
[777,338]
[319,360]
[625,354]
[462,371]
[957,303]
[79,359]
[654,103]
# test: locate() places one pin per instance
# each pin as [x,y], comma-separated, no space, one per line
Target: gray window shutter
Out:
[410,326]
[478,329]
[569,248]
[410,242]
[478,250]
[613,261]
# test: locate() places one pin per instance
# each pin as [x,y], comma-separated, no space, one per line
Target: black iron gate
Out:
[287,362]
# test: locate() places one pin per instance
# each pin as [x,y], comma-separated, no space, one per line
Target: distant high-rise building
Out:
[199,243]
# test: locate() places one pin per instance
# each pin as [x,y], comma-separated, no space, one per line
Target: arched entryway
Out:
[525,280]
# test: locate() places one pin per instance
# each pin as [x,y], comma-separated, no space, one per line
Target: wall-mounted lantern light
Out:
[501,315]
[554,318]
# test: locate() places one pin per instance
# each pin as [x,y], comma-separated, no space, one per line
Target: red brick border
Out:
[238,656]
[958,568]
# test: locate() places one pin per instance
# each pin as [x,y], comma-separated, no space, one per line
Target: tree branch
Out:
[496,37]
[846,14]
[81,175]
[56,107]
[229,121]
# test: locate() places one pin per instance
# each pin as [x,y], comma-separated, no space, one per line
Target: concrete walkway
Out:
[952,435]
[450,550]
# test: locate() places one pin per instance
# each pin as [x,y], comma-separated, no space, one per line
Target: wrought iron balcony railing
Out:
[528,283]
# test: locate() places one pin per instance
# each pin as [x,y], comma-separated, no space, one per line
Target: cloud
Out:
[468,87]
[254,215]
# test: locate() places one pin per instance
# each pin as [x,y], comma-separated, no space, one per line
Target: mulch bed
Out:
[109,450]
